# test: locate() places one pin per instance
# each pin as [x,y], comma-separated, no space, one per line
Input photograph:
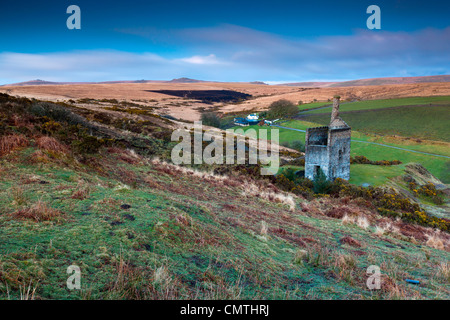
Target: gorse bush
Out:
[51,127]
[89,144]
[427,190]
[364,160]
[388,202]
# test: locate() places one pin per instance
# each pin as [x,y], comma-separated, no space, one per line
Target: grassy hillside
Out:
[429,122]
[90,193]
[383,103]
[178,234]
[313,105]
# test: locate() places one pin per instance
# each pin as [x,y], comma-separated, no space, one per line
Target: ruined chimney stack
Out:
[335,112]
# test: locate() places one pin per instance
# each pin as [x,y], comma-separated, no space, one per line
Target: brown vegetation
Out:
[12,142]
[350,241]
[40,211]
[47,143]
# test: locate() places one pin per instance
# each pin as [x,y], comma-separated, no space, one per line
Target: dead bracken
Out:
[38,212]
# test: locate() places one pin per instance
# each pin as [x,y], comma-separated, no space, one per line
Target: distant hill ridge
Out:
[370,82]
[39,82]
[315,84]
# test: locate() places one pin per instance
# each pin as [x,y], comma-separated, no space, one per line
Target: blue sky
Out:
[273,41]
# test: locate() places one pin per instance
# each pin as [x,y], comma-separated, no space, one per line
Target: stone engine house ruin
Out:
[328,148]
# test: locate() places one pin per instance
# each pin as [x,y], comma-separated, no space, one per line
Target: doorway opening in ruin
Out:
[316,171]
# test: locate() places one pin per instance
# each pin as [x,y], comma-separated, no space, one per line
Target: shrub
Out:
[282,108]
[51,126]
[88,144]
[364,160]
[320,184]
[58,113]
[263,114]
[389,203]
[427,190]
[211,119]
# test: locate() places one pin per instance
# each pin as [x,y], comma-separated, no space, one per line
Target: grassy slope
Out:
[191,237]
[312,105]
[429,122]
[385,103]
[188,235]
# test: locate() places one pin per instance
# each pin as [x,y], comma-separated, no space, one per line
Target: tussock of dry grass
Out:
[435,241]
[50,144]
[252,190]
[394,290]
[264,228]
[80,194]
[82,191]
[360,221]
[175,170]
[126,155]
[443,271]
[12,142]
[39,157]
[133,283]
[345,262]
[301,256]
[379,231]
[387,228]
[339,212]
[184,219]
[40,211]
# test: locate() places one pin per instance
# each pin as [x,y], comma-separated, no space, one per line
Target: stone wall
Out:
[317,136]
[316,151]
[339,153]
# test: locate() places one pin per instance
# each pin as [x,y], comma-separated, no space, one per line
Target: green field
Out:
[431,122]
[383,103]
[438,166]
[313,105]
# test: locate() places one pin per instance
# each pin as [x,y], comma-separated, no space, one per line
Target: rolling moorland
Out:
[90,183]
[188,109]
